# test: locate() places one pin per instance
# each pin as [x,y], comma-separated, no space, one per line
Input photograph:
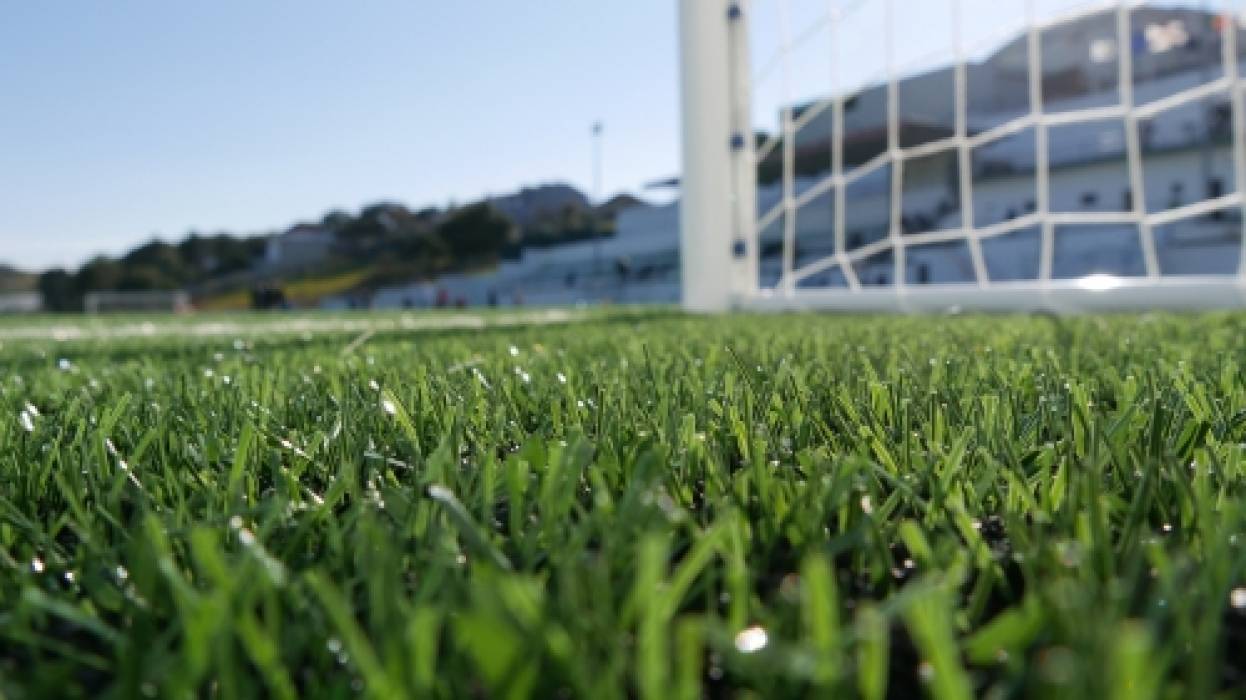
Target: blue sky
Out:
[132,118]
[124,120]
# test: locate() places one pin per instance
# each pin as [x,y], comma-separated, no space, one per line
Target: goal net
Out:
[992,154]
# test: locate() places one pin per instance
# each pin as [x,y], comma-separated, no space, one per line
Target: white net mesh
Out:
[996,143]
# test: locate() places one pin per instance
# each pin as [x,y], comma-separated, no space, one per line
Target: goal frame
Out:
[719,226]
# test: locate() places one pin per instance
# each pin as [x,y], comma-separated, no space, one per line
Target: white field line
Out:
[101,329]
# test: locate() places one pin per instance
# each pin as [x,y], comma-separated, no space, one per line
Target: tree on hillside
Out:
[335,220]
[99,274]
[60,291]
[570,223]
[477,232]
[161,260]
[375,228]
[147,278]
[219,254]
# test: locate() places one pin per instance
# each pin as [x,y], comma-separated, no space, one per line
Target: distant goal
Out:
[136,302]
[962,154]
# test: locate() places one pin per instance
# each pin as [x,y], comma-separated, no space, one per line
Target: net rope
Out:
[962,144]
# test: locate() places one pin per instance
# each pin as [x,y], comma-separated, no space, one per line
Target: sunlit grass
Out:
[632,505]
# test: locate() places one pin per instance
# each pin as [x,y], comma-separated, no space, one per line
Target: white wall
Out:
[20,302]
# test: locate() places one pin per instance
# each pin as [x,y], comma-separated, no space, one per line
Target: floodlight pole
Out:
[596,202]
[718,205]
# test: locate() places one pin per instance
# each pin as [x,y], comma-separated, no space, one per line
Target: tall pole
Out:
[743,154]
[598,129]
[708,101]
[596,202]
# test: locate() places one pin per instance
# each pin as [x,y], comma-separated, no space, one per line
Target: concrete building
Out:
[640,263]
[302,245]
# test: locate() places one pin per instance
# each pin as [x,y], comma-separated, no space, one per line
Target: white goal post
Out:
[718,185]
[1092,160]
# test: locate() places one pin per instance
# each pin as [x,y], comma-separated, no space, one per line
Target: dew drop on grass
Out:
[867,506]
[1238,598]
[440,493]
[751,639]
[1070,554]
[925,671]
[789,588]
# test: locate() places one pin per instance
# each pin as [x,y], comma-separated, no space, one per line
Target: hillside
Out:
[619,202]
[530,205]
[15,280]
[383,243]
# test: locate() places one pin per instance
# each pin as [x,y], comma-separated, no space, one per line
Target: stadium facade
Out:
[1186,158]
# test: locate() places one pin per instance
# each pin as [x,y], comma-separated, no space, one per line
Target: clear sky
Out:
[123,120]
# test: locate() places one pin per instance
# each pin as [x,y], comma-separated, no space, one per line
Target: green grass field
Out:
[625,505]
